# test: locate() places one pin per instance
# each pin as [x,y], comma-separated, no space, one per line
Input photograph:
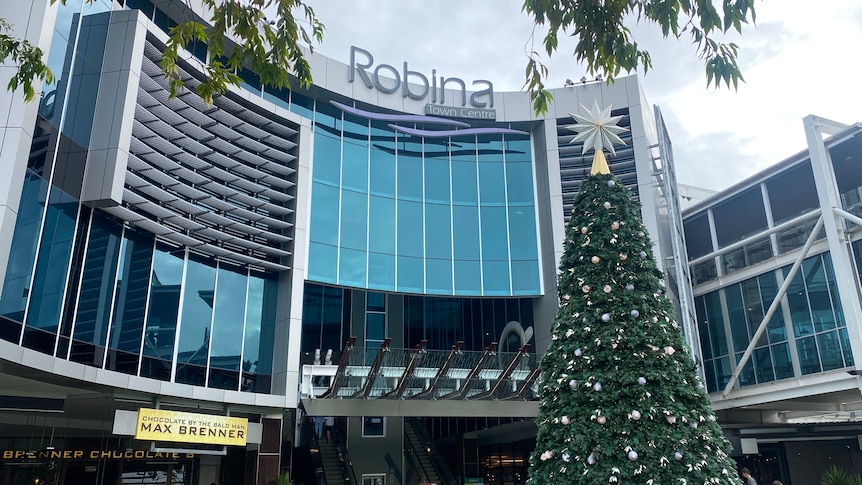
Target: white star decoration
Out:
[597,129]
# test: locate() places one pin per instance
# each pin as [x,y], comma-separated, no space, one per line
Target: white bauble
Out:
[565,420]
[611,183]
[606,317]
[670,419]
[591,459]
[595,259]
[615,225]
[573,384]
[566,457]
[597,386]
[633,455]
[579,352]
[635,415]
[636,313]
[642,380]
[677,456]
[630,287]
[601,420]
[607,289]
[606,205]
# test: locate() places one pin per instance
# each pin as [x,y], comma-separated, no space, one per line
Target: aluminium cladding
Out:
[220,179]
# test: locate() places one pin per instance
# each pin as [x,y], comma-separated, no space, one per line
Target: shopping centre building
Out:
[185,285]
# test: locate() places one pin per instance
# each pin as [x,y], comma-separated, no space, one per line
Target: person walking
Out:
[747,479]
[329,424]
[318,426]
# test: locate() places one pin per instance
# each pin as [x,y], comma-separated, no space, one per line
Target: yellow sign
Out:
[174,426]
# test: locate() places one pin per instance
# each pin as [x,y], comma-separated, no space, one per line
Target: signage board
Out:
[179,427]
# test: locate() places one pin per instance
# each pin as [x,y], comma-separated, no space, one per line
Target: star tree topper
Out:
[598,130]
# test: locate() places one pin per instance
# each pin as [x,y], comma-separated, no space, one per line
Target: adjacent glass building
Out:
[775,268]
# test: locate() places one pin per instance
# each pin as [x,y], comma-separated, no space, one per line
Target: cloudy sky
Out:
[801,58]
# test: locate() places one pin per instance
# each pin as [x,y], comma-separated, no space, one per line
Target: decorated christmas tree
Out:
[620,398]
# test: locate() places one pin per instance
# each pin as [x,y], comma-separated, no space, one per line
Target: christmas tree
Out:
[620,399]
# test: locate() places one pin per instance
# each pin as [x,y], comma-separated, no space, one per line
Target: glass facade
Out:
[816,336]
[332,315]
[82,287]
[444,216]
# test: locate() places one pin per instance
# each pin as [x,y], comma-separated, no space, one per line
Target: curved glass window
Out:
[448,216]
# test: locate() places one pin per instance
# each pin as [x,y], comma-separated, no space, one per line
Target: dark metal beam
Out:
[468,381]
[337,379]
[415,358]
[505,374]
[374,370]
[441,373]
[528,382]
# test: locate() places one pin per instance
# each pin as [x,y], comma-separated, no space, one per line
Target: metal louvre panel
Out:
[216,178]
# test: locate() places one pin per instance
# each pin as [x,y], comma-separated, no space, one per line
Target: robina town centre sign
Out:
[389,79]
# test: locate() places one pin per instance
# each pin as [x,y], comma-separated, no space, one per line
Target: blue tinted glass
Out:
[492,186]
[352,267]
[519,181]
[327,157]
[495,244]
[375,326]
[410,171]
[228,319]
[383,170]
[809,359]
[324,214]
[277,96]
[97,283]
[355,165]
[227,332]
[763,365]
[518,148]
[736,316]
[781,361]
[438,232]
[409,229]
[381,271]
[465,224]
[468,278]
[702,327]
[302,105]
[830,350]
[522,233]
[164,305]
[768,289]
[845,346]
[496,277]
[525,278]
[437,178]
[818,294]
[439,276]
[52,267]
[465,187]
[411,274]
[381,225]
[130,302]
[715,321]
[798,301]
[196,322]
[22,255]
[354,219]
[259,345]
[322,262]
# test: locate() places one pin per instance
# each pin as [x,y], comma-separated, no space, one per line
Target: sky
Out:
[797,60]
